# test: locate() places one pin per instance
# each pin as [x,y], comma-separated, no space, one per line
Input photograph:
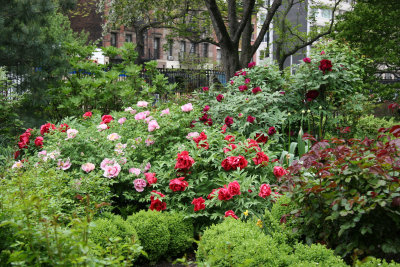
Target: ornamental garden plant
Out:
[143,182]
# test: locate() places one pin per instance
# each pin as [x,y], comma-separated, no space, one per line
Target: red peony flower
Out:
[231,213]
[251,64]
[212,195]
[24,138]
[234,188]
[256,90]
[230,138]
[261,138]
[242,88]
[271,130]
[220,97]
[223,128]
[199,204]
[260,158]
[229,148]
[157,204]
[64,127]
[106,119]
[184,161]
[311,95]
[279,171]
[151,178]
[192,124]
[16,154]
[22,145]
[206,108]
[325,65]
[253,145]
[46,128]
[223,193]
[39,141]
[204,117]
[234,162]
[307,60]
[250,119]
[228,121]
[178,184]
[87,115]
[265,190]
[205,88]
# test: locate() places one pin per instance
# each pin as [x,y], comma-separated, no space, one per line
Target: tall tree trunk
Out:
[246,54]
[230,61]
[139,32]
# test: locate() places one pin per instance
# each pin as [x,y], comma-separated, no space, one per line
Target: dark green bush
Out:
[181,233]
[153,232]
[348,195]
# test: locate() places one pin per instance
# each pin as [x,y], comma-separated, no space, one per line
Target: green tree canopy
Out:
[374,28]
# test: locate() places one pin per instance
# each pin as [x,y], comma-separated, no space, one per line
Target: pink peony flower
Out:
[18,164]
[142,104]
[111,171]
[148,119]
[135,171]
[88,167]
[153,125]
[232,82]
[122,120]
[71,133]
[130,110]
[113,137]
[149,141]
[43,155]
[139,184]
[107,162]
[140,116]
[63,165]
[147,167]
[187,108]
[192,135]
[102,127]
[165,112]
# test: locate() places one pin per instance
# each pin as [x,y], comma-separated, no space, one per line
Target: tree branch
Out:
[218,23]
[248,10]
[266,24]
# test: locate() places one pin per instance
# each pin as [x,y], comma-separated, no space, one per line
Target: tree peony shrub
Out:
[251,101]
[348,194]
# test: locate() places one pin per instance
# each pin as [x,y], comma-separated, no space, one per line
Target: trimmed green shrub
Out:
[373,262]
[234,243]
[314,255]
[112,226]
[181,233]
[153,232]
[367,126]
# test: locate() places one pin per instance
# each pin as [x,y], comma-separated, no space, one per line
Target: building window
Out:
[193,48]
[114,39]
[157,48]
[182,49]
[266,37]
[128,38]
[326,13]
[205,50]
[170,48]
[218,54]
